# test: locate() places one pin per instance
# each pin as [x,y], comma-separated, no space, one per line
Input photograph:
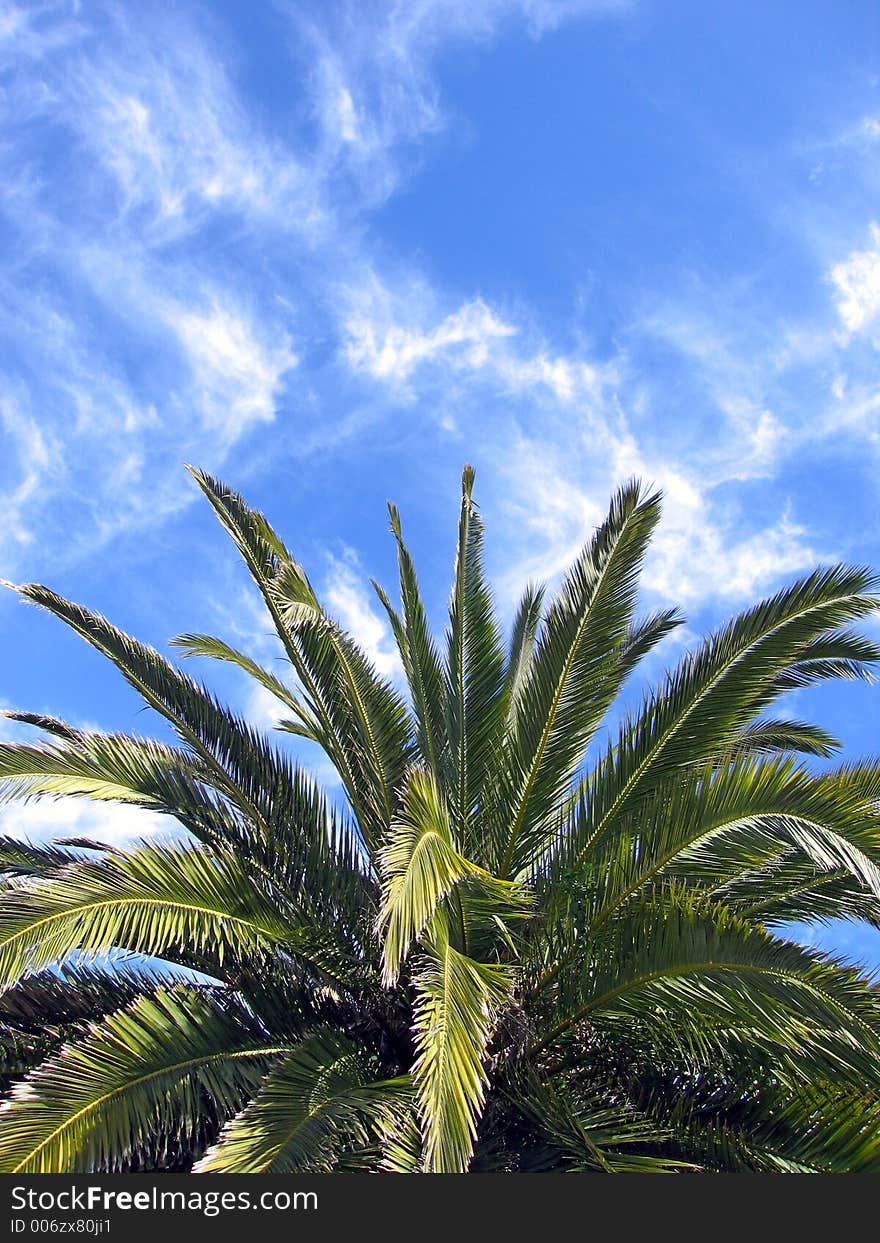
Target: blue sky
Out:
[332,251]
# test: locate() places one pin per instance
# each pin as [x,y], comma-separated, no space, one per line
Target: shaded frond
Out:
[22,858]
[767,737]
[697,973]
[419,656]
[316,1104]
[364,726]
[579,1132]
[139,1073]
[523,642]
[48,724]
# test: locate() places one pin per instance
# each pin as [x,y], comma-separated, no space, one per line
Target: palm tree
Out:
[511,946]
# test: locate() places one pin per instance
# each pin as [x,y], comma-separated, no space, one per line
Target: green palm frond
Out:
[316,1104]
[419,866]
[577,1131]
[475,707]
[575,675]
[216,649]
[457,1006]
[644,635]
[840,653]
[767,737]
[364,724]
[823,1130]
[703,975]
[368,715]
[523,641]
[401,1143]
[23,858]
[296,836]
[75,994]
[48,724]
[152,901]
[718,690]
[419,656]
[139,1074]
[712,821]
[791,890]
[115,768]
[53,1006]
[240,761]
[766,1127]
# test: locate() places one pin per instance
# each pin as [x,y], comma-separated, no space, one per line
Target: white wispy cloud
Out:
[91,436]
[152,143]
[562,430]
[30,457]
[175,218]
[348,598]
[857,281]
[238,369]
[374,91]
[161,123]
[418,25]
[155,113]
[47,820]
[554,500]
[393,331]
[388,350]
[161,171]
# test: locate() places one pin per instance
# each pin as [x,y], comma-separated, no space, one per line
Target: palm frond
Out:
[697,974]
[576,673]
[419,866]
[523,640]
[291,834]
[157,899]
[475,707]
[139,1074]
[236,755]
[419,656]
[583,1132]
[769,1127]
[364,723]
[115,768]
[315,1105]
[217,649]
[503,946]
[22,858]
[768,737]
[712,820]
[50,1007]
[457,1005]
[48,724]
[840,653]
[718,690]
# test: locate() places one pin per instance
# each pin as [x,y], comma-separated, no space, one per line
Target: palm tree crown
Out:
[508,947]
